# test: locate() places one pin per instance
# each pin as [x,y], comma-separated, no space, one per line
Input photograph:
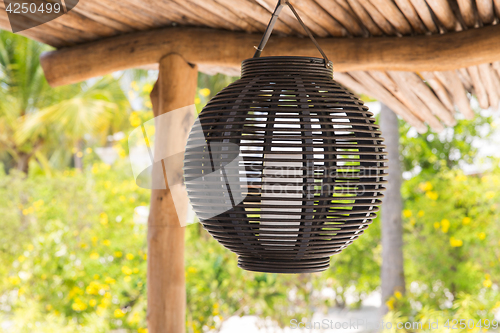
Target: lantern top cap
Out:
[286,65]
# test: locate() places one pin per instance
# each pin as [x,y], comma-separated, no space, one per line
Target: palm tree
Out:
[39,121]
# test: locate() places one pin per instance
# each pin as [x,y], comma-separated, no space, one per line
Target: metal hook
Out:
[272,22]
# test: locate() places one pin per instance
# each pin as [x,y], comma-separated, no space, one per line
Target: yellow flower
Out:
[126,270]
[48,307]
[79,154]
[487,283]
[134,119]
[398,294]
[21,258]
[127,278]
[145,256]
[96,276]
[129,256]
[109,280]
[15,280]
[94,255]
[461,178]
[88,150]
[204,92]
[106,242]
[103,218]
[147,88]
[390,303]
[118,254]
[197,100]
[490,195]
[136,270]
[456,242]
[142,330]
[78,305]
[420,213]
[94,240]
[135,318]
[43,276]
[93,288]
[75,291]
[427,186]
[119,313]
[445,225]
[481,235]
[122,198]
[192,270]
[432,195]
[466,220]
[407,213]
[92,302]
[38,204]
[83,245]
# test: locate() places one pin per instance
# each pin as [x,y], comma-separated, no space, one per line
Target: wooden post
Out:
[175,88]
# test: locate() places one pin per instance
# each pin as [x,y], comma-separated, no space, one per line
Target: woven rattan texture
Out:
[310,166]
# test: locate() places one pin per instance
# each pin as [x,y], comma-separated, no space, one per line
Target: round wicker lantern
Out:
[309,166]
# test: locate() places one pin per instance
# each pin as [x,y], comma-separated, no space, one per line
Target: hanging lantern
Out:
[285,167]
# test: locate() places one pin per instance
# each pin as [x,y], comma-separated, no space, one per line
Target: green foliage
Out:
[43,122]
[72,251]
[452,235]
[432,151]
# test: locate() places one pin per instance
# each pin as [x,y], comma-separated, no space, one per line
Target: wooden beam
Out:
[404,85]
[457,91]
[227,49]
[383,95]
[440,90]
[176,88]
[425,14]
[364,17]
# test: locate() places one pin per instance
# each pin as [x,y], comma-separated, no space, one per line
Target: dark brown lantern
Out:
[285,167]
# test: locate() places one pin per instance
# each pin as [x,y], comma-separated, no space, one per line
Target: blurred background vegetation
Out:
[73,222]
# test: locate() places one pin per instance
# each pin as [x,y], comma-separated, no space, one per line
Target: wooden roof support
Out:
[210,47]
[451,80]
[176,88]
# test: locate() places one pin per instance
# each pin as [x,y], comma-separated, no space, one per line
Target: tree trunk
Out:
[78,156]
[392,229]
[22,162]
[176,88]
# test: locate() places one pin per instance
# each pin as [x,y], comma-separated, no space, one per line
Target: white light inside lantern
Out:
[281,187]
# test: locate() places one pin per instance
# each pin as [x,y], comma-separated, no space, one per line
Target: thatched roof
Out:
[430,97]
